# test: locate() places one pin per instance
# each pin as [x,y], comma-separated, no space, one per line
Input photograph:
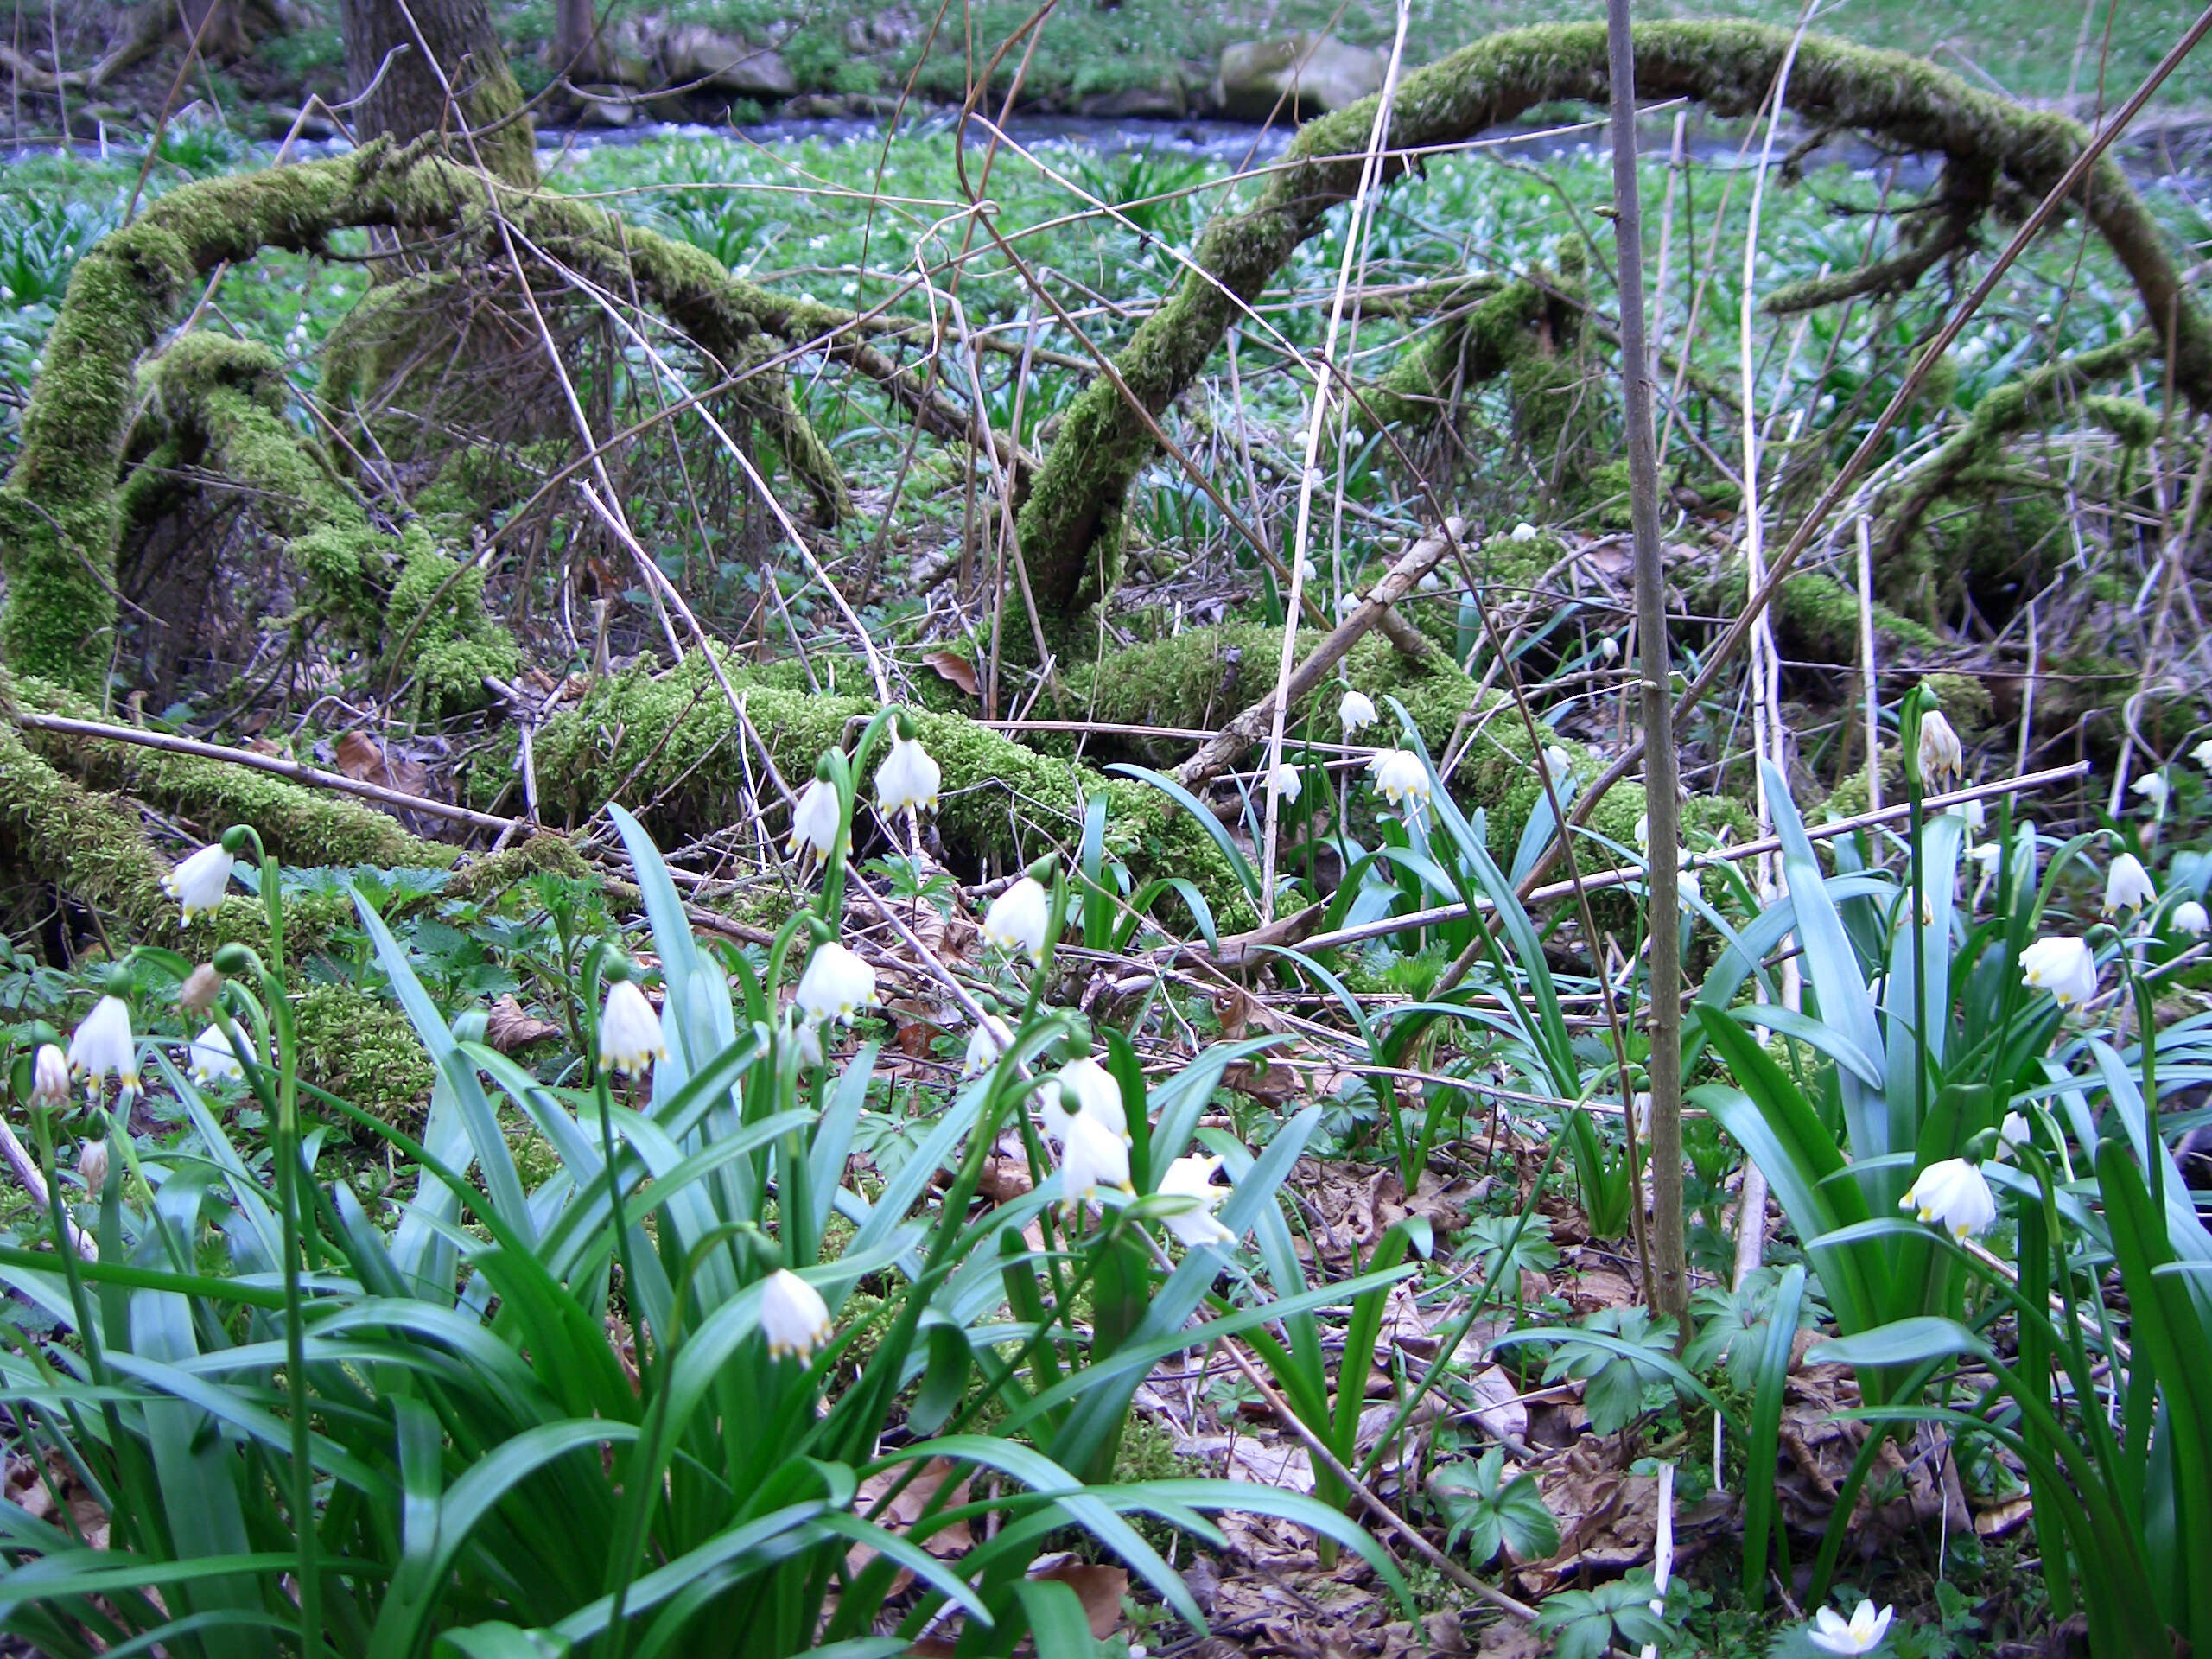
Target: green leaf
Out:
[1478,1502]
[1056,1619]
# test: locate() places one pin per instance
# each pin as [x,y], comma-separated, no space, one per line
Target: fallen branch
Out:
[1220,751]
[291,770]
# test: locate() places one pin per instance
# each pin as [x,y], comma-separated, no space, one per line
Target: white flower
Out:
[92,1165]
[1306,570]
[104,1044]
[908,778]
[212,1058]
[1608,648]
[1940,757]
[806,1037]
[793,1316]
[1190,1179]
[2013,1132]
[1346,604]
[1976,814]
[2188,918]
[1524,532]
[2127,885]
[1403,779]
[1862,1635]
[2203,754]
[815,821]
[1354,710]
[1558,762]
[630,1038]
[1017,919]
[2154,788]
[50,1076]
[1086,1089]
[1954,1195]
[1284,781]
[197,884]
[1093,1157]
[836,985]
[1644,830]
[983,1050]
[2064,966]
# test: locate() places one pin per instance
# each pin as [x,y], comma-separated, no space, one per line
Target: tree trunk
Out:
[576,40]
[411,99]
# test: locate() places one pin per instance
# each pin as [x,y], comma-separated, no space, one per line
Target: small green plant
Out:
[1487,1512]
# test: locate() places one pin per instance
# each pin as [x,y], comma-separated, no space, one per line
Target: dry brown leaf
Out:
[1004,1179]
[951,665]
[1499,1408]
[362,758]
[510,1028]
[1260,1080]
[1100,1589]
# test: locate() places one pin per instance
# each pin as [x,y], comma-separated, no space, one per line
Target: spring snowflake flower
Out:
[92,1165]
[1085,1089]
[2127,887]
[1956,1196]
[1403,779]
[806,1037]
[1190,1179]
[212,1059]
[1355,709]
[630,1038]
[197,884]
[2011,1133]
[1940,757]
[2064,966]
[815,821]
[984,1051]
[1863,1634]
[1608,648]
[1524,532]
[1017,919]
[1093,1157]
[1644,830]
[793,1316]
[50,1076]
[2188,918]
[1306,570]
[104,1044]
[1284,781]
[2203,754]
[2154,788]
[1558,762]
[908,778]
[836,985]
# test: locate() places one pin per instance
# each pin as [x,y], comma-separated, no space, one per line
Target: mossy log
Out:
[1070,526]
[58,509]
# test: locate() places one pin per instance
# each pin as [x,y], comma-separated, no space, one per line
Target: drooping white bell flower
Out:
[1403,779]
[1524,532]
[2203,754]
[212,1059]
[815,821]
[2064,966]
[1644,830]
[1355,709]
[50,1076]
[630,1038]
[1306,570]
[1954,1195]
[1940,757]
[92,1165]
[2013,1132]
[1093,1157]
[1284,782]
[806,1037]
[908,778]
[836,985]
[2188,918]
[1608,648]
[104,1044]
[1088,1089]
[2154,789]
[1558,763]
[983,1050]
[2127,885]
[1346,604]
[1017,919]
[793,1316]
[1190,1179]
[1976,814]
[199,883]
[1862,1634]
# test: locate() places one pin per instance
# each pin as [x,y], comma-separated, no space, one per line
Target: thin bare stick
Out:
[275,765]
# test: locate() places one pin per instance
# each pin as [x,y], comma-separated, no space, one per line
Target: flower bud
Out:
[201,989]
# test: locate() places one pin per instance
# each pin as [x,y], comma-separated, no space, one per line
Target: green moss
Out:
[364,1051]
[1964,699]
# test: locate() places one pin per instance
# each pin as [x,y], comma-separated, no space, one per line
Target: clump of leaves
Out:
[1613,1381]
[1489,1510]
[1584,1624]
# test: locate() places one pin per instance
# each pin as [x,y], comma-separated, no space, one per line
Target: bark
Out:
[1070,526]
[576,40]
[480,118]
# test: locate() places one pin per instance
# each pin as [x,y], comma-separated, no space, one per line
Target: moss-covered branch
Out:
[1069,524]
[59,510]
